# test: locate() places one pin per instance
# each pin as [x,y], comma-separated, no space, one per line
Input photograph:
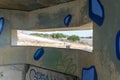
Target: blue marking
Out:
[89,73]
[67,20]
[1,24]
[118,45]
[96,11]
[38,54]
[33,73]
[96,8]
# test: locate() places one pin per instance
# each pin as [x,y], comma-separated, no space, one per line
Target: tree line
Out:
[58,36]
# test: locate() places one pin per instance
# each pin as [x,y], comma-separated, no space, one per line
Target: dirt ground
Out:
[29,40]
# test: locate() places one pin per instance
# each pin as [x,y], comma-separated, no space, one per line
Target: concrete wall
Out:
[62,60]
[13,19]
[54,16]
[43,74]
[12,72]
[108,66]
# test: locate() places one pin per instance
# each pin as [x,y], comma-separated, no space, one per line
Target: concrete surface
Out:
[43,74]
[12,72]
[52,17]
[103,56]
[107,64]
[28,5]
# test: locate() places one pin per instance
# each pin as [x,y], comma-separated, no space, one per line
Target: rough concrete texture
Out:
[103,57]
[43,74]
[54,16]
[12,72]
[27,20]
[28,5]
[62,60]
[107,64]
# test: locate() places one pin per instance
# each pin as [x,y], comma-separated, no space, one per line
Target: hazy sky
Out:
[81,33]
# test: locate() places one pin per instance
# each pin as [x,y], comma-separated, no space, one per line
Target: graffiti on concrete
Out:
[60,62]
[34,75]
[38,54]
[89,73]
[1,24]
[67,20]
[47,75]
[96,11]
[66,64]
[118,45]
[50,59]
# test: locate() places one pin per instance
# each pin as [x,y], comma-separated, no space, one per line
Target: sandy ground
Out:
[29,40]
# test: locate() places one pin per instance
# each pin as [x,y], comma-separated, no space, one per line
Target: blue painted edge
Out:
[117,45]
[94,17]
[95,77]
[3,21]
[70,17]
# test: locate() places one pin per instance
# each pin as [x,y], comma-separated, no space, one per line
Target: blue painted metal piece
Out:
[96,11]
[1,24]
[89,73]
[67,20]
[38,54]
[118,45]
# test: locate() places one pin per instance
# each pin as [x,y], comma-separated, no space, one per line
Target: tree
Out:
[58,35]
[73,38]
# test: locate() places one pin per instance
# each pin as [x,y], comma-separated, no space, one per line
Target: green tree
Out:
[73,38]
[58,35]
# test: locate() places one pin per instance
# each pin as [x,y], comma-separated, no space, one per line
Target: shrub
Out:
[73,38]
[58,35]
[36,34]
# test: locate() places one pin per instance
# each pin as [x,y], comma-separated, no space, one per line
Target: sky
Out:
[80,33]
